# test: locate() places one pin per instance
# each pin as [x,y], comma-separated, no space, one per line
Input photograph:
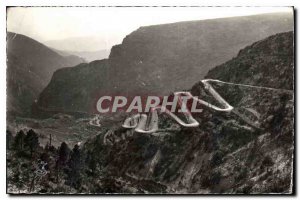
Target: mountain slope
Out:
[266,57]
[30,66]
[74,89]
[164,58]
[224,154]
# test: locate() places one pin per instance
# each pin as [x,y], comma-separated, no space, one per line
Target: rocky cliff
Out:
[165,58]
[162,58]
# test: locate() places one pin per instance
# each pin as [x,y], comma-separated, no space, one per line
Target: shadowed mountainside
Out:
[160,59]
[224,154]
[30,66]
[270,56]
[171,57]
[74,89]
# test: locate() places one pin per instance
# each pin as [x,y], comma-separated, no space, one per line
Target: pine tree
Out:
[91,161]
[62,158]
[19,141]
[63,154]
[74,178]
[31,141]
[9,139]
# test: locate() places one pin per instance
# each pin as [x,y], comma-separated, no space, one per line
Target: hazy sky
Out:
[109,25]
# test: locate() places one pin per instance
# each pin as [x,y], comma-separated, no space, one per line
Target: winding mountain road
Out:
[149,123]
[95,121]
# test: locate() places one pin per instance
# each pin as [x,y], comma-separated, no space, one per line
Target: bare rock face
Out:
[163,58]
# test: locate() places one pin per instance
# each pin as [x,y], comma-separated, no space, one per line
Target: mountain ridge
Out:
[159,58]
[30,65]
